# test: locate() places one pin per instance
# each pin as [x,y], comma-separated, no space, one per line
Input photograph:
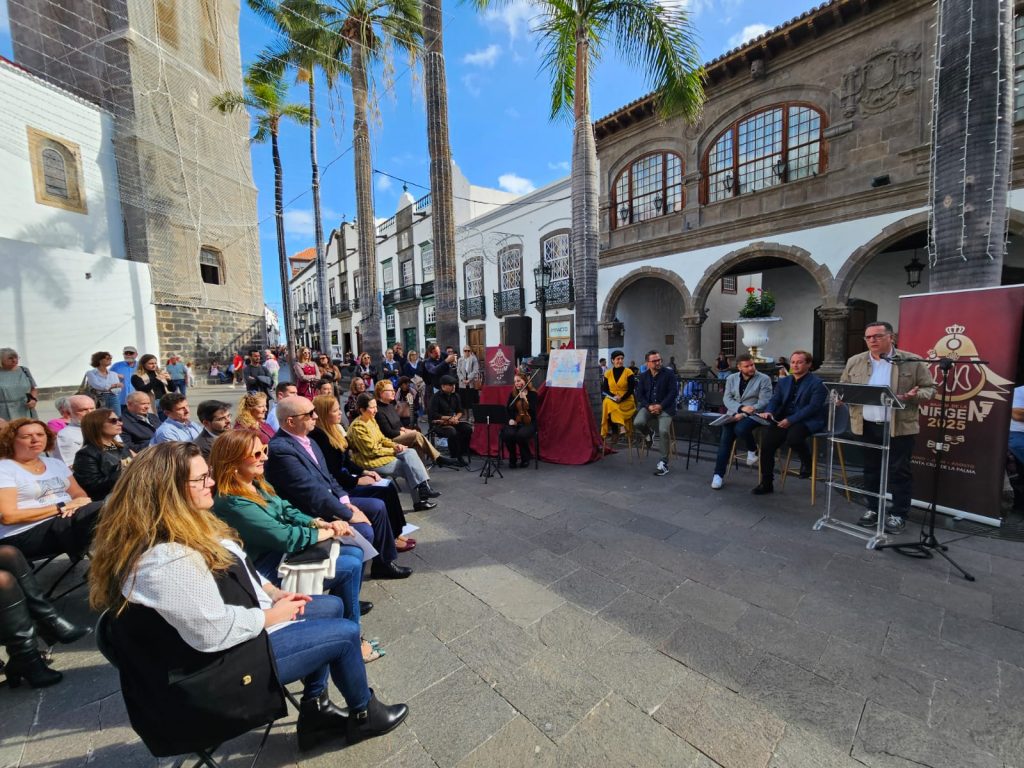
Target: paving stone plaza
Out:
[602,616]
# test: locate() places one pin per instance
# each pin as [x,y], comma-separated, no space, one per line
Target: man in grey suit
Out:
[746,391]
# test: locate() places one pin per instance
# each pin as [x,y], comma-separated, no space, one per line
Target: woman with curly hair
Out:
[252,414]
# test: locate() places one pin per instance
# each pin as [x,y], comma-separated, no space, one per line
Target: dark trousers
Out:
[379,531]
[521,436]
[772,437]
[901,477]
[731,432]
[468,397]
[58,535]
[458,438]
[392,503]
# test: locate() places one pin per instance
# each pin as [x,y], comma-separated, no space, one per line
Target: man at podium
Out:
[903,372]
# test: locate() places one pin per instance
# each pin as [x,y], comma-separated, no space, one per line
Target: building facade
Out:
[187,199]
[808,171]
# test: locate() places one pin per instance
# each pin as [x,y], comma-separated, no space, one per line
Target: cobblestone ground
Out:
[601,616]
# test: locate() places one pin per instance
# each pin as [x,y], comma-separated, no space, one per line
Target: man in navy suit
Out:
[139,424]
[797,411]
[297,469]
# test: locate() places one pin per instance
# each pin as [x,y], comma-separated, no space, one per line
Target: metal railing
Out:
[560,293]
[473,309]
[509,302]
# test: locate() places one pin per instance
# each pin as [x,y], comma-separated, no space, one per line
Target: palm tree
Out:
[307,45]
[657,39]
[369,31]
[442,202]
[266,98]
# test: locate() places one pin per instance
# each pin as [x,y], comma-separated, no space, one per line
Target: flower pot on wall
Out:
[755,334]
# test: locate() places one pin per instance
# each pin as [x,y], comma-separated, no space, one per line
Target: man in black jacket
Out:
[446,417]
[139,424]
[656,392]
[255,375]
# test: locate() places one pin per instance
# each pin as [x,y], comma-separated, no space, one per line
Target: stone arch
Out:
[640,273]
[791,253]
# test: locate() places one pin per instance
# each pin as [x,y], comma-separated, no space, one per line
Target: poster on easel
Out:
[566,368]
[499,366]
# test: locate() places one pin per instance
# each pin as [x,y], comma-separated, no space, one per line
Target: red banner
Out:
[499,365]
[983,324]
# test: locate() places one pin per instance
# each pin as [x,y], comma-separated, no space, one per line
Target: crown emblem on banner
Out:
[956,329]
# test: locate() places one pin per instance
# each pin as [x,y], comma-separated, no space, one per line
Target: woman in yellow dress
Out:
[618,405]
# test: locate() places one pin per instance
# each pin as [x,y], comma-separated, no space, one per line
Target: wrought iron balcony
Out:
[560,293]
[427,288]
[473,309]
[402,293]
[355,304]
[334,309]
[510,302]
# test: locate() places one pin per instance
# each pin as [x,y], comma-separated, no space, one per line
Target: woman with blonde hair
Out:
[389,420]
[189,615]
[305,374]
[355,389]
[252,414]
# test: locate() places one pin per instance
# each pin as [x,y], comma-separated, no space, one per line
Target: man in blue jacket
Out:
[797,410]
[656,392]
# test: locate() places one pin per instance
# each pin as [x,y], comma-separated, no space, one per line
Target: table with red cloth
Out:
[568,431]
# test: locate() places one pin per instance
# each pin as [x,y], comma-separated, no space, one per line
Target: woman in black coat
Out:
[99,462]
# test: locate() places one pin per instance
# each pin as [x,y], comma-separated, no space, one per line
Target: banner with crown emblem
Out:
[983,324]
[499,366]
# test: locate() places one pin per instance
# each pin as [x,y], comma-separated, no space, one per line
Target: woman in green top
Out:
[18,394]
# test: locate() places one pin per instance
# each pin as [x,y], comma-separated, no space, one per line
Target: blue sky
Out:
[498,104]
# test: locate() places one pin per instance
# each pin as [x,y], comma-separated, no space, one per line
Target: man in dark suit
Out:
[297,469]
[797,411]
[138,423]
[215,416]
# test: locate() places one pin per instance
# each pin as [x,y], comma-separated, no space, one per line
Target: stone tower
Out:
[185,176]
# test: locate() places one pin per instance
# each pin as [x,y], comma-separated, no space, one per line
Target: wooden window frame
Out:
[219,266]
[733,285]
[628,172]
[724,342]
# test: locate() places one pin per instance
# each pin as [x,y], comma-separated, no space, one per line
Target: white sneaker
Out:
[751,458]
[662,468]
[716,482]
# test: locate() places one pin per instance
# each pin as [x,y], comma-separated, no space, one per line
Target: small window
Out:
[510,268]
[408,276]
[167,22]
[389,321]
[211,267]
[652,186]
[56,171]
[388,281]
[729,284]
[728,339]
[474,272]
[557,252]
[427,260]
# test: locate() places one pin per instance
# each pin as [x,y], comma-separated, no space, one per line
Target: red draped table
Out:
[568,432]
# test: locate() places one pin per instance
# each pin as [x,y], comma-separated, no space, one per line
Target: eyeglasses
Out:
[113,420]
[129,354]
[654,360]
[260,454]
[305,415]
[875,337]
[201,480]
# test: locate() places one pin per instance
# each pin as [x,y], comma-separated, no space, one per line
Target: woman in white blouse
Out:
[188,602]
[103,384]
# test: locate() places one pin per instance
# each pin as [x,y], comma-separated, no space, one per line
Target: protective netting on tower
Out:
[184,172]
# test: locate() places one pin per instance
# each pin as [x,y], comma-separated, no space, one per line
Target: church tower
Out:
[185,178]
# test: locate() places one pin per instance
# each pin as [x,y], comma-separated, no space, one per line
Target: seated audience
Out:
[357,482]
[371,450]
[390,422]
[43,509]
[407,402]
[445,414]
[656,392]
[177,424]
[215,416]
[797,410]
[746,391]
[103,457]
[281,391]
[618,406]
[252,414]
[69,441]
[182,595]
[63,406]
[138,424]
[297,469]
[521,428]
[355,389]
[24,609]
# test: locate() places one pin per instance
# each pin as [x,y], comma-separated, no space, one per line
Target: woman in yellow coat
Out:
[618,405]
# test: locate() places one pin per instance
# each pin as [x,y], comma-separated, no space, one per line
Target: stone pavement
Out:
[601,616]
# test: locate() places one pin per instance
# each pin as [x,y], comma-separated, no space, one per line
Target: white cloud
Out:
[299,221]
[562,165]
[472,84]
[514,17]
[485,57]
[746,34]
[517,185]
[383,183]
[512,112]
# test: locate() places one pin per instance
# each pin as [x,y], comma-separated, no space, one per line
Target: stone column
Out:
[834,321]
[693,366]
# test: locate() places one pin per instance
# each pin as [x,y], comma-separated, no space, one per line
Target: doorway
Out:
[476,339]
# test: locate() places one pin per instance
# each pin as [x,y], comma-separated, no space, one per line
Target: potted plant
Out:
[756,316]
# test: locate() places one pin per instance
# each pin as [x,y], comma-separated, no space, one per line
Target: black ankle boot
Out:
[19,637]
[319,719]
[53,627]
[376,720]
[426,492]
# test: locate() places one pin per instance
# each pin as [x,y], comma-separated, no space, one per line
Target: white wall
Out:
[882,276]
[796,296]
[649,310]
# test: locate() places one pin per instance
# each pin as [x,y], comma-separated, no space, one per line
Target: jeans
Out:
[322,643]
[348,576]
[640,424]
[723,374]
[109,400]
[408,466]
[901,476]
[731,433]
[178,385]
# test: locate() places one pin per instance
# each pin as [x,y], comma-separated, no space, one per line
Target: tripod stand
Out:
[927,545]
[484,414]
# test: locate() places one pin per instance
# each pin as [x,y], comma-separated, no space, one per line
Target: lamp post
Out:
[542,280]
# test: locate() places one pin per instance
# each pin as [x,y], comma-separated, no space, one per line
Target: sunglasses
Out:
[260,454]
[113,420]
[305,415]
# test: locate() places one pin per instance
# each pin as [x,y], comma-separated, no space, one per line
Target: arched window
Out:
[510,268]
[55,173]
[474,271]
[556,250]
[651,186]
[775,145]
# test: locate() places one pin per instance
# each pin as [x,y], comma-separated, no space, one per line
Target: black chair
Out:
[105,645]
[712,405]
[39,563]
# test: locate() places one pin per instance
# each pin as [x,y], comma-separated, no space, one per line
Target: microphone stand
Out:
[927,545]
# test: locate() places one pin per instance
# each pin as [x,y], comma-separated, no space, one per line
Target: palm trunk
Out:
[972,143]
[282,251]
[442,202]
[584,221]
[368,303]
[321,254]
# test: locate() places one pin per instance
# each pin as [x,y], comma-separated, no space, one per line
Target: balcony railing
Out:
[427,288]
[386,229]
[561,293]
[355,304]
[422,205]
[473,309]
[402,293]
[334,309]
[509,302]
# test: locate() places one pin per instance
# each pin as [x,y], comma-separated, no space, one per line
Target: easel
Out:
[487,415]
[859,394]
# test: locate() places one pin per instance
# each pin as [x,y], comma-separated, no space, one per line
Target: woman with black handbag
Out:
[203,642]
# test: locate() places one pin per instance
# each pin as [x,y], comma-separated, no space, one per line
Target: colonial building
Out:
[187,204]
[808,170]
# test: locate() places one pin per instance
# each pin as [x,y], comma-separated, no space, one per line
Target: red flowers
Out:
[751,289]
